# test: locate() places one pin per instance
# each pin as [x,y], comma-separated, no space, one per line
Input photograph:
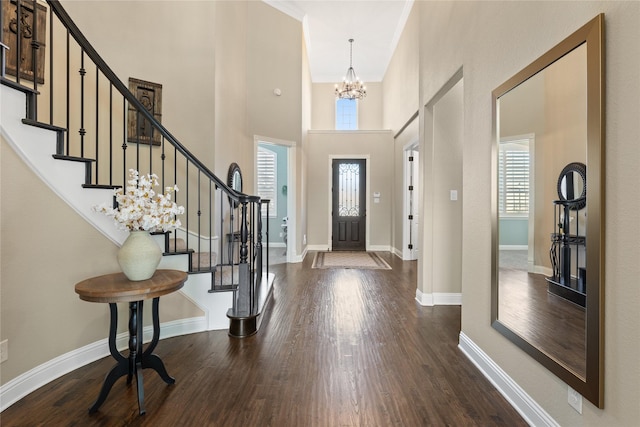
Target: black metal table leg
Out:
[138,359]
[150,360]
[119,369]
[135,350]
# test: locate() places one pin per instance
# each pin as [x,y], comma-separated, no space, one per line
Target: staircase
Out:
[220,244]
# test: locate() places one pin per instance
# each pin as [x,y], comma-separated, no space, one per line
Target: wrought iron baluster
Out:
[51,75]
[110,133]
[82,130]
[68,88]
[199,213]
[35,45]
[124,142]
[18,39]
[97,130]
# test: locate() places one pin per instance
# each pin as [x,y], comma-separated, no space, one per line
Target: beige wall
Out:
[511,38]
[180,57]
[445,271]
[323,111]
[231,141]
[274,61]
[302,189]
[378,147]
[400,86]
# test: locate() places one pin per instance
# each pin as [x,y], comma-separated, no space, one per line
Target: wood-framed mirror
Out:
[546,117]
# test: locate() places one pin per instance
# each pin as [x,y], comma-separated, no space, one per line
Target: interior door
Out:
[349,205]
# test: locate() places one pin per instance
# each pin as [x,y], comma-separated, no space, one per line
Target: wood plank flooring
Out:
[547,321]
[338,348]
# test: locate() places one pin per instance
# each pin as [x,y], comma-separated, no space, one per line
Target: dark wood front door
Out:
[349,202]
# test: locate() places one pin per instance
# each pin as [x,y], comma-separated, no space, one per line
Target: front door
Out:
[348,206]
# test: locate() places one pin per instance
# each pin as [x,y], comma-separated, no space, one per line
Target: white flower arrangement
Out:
[141,208]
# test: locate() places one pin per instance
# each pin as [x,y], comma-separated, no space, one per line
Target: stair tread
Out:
[72,158]
[101,186]
[200,261]
[43,125]
[26,89]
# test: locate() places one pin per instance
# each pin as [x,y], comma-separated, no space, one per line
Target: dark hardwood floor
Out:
[549,322]
[338,348]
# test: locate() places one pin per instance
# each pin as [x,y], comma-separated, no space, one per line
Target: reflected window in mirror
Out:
[513,178]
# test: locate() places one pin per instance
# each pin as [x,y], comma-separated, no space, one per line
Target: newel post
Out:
[243,302]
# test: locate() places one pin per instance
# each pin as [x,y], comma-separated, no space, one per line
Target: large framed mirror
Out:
[547,228]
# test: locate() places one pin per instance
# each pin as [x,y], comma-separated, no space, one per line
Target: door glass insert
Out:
[349,189]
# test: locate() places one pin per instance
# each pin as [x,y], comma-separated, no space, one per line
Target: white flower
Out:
[140,208]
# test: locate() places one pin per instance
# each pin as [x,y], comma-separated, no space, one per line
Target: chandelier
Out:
[351,87]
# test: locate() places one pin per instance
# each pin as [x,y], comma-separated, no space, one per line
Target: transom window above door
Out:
[346,114]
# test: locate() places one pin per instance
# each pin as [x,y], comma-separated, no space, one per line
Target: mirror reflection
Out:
[572,185]
[542,129]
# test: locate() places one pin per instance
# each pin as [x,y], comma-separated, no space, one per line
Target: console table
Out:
[116,288]
[569,275]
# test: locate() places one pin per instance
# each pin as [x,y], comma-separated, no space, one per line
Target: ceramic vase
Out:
[139,256]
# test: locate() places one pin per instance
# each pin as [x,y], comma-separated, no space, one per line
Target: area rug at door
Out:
[357,260]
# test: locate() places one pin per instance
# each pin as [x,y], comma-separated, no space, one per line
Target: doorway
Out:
[348,205]
[273,182]
[440,264]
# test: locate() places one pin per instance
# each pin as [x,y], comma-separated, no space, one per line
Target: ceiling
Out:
[375,26]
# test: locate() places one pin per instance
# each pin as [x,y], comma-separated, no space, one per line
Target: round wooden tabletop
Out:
[115,287]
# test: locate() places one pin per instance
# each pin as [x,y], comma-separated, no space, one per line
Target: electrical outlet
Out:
[575,400]
[281,234]
[304,239]
[4,350]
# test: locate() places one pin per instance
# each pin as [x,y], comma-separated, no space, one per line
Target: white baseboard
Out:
[299,258]
[533,413]
[438,298]
[513,247]
[35,378]
[379,248]
[540,269]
